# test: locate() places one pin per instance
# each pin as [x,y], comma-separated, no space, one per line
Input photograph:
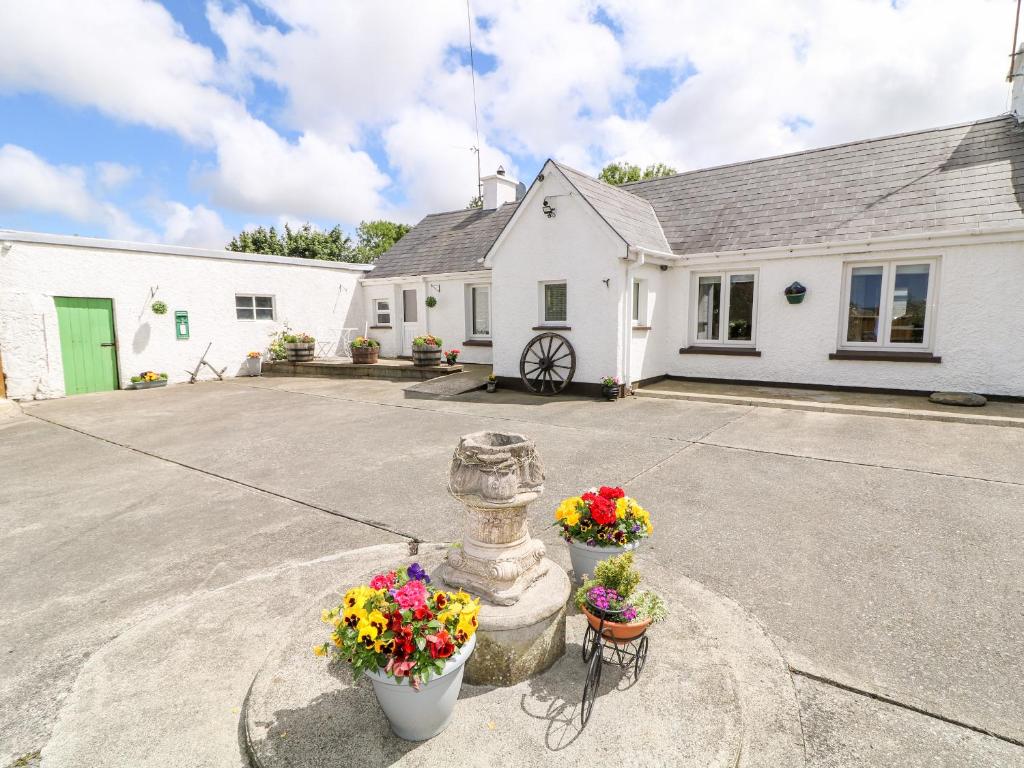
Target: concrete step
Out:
[843,408]
[391,369]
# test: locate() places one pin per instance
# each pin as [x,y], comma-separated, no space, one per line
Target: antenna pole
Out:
[1013,53]
[476,116]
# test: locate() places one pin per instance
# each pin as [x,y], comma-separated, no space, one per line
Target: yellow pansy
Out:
[650,529]
[377,620]
[572,518]
[367,633]
[356,596]
[467,625]
[567,507]
[621,507]
[354,616]
[319,650]
[461,597]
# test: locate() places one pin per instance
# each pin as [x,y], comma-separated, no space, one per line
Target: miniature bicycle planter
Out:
[610,642]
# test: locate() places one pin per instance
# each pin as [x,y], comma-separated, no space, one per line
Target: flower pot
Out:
[795,298]
[618,633]
[417,715]
[149,384]
[424,357]
[299,352]
[365,355]
[492,386]
[585,558]
[610,393]
[253,366]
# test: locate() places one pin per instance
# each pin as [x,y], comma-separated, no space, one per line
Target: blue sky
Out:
[186,121]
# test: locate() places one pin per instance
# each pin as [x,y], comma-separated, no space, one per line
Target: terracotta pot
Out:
[618,633]
[365,355]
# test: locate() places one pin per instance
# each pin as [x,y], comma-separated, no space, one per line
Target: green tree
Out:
[624,173]
[306,242]
[376,237]
[475,202]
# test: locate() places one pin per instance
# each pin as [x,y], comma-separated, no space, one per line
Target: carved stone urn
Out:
[496,475]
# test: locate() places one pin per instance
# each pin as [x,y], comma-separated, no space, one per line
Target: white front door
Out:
[412,318]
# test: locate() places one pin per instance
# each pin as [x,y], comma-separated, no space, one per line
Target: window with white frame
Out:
[554,306]
[639,302]
[382,312]
[251,307]
[480,311]
[888,304]
[725,308]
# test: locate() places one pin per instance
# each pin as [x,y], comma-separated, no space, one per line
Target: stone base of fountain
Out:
[515,642]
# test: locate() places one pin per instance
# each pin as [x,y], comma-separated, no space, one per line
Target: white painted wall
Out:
[449,318]
[979,324]
[315,297]
[575,246]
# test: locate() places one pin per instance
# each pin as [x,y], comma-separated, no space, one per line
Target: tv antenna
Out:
[476,116]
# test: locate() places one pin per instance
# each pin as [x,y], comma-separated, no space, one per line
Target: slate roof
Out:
[940,179]
[631,216]
[945,178]
[445,242]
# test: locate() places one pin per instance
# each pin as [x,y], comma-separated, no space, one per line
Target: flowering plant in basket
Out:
[612,594]
[429,340]
[603,517]
[400,625]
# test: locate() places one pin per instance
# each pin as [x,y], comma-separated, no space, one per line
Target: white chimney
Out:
[498,190]
[1017,97]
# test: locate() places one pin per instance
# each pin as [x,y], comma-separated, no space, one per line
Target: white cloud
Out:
[371,90]
[197,226]
[29,183]
[115,175]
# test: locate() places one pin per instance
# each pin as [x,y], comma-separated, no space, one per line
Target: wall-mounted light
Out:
[436,286]
[548,209]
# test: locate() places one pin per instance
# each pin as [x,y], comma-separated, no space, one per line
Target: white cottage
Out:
[910,247]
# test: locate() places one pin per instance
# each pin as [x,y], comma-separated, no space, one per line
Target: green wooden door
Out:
[87,344]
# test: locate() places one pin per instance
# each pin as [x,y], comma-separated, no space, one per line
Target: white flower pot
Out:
[417,715]
[253,366]
[585,558]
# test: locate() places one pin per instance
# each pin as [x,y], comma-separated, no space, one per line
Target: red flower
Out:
[441,645]
[440,600]
[395,621]
[602,510]
[383,581]
[422,613]
[611,493]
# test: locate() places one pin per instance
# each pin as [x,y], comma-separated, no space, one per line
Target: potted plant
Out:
[452,356]
[365,351]
[412,641]
[149,380]
[426,351]
[254,363]
[299,347]
[430,301]
[795,293]
[599,524]
[492,383]
[610,387]
[611,595]
[159,308]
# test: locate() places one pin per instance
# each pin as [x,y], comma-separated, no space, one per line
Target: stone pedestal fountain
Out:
[524,594]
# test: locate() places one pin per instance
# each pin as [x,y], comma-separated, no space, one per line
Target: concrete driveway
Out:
[882,555]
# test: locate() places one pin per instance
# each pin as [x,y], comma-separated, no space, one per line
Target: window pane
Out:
[409,305]
[264,314]
[709,301]
[636,300]
[244,313]
[243,301]
[865,304]
[741,307]
[909,301]
[383,311]
[265,302]
[482,311]
[555,303]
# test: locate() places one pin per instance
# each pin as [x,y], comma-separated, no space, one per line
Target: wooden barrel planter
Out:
[424,357]
[365,355]
[299,352]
